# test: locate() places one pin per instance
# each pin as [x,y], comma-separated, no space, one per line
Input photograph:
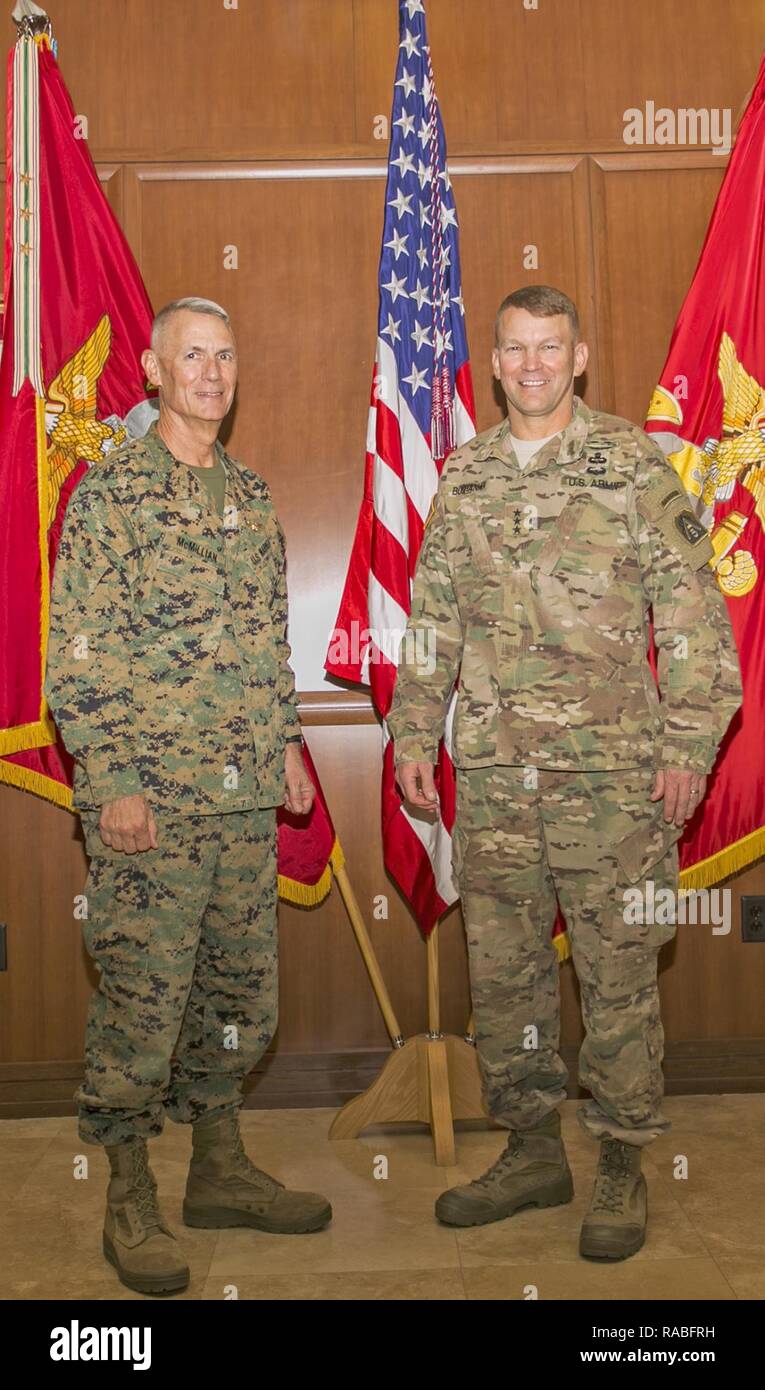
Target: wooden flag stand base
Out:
[432,1078]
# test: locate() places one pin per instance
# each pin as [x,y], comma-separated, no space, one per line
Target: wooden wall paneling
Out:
[44,991]
[111,178]
[305,78]
[688,54]
[560,77]
[650,215]
[505,205]
[195,80]
[714,985]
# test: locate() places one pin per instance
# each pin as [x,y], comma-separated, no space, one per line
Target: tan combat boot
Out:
[225,1189]
[137,1242]
[532,1171]
[614,1227]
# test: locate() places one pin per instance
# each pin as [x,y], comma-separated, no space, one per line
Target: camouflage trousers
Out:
[185,939]
[582,840]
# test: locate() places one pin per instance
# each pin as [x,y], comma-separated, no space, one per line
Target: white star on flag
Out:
[395,287]
[404,163]
[443,343]
[424,173]
[420,335]
[409,42]
[458,300]
[398,244]
[408,83]
[401,203]
[407,124]
[448,218]
[427,90]
[422,257]
[414,7]
[423,134]
[392,328]
[424,216]
[420,295]
[416,379]
[447,181]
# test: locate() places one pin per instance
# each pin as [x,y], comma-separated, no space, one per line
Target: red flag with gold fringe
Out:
[307,849]
[76,320]
[708,415]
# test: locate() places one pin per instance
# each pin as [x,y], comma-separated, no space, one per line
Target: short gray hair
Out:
[194,306]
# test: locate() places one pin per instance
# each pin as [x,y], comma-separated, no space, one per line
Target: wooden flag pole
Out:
[431,1077]
[368,955]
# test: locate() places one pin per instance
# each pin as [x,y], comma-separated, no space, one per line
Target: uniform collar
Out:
[163,457]
[567,445]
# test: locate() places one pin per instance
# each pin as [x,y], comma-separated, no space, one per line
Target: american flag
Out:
[421,408]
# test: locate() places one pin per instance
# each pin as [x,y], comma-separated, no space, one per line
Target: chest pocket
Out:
[480,549]
[585,550]
[176,592]
[260,555]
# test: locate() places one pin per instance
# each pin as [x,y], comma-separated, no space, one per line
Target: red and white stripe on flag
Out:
[421,408]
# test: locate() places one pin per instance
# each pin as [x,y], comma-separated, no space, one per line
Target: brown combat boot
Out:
[225,1189]
[136,1239]
[614,1227]
[532,1171]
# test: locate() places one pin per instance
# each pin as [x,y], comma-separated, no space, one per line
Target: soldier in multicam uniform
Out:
[168,678]
[551,536]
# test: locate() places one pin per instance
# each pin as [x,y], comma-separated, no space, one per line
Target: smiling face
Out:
[194,364]
[536,360]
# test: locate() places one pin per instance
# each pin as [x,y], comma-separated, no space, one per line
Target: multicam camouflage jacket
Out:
[534,587]
[167,655]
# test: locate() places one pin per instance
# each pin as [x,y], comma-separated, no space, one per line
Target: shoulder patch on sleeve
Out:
[690,529]
[666,505]
[660,497]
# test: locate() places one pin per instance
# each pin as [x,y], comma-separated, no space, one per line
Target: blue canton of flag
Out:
[421,308]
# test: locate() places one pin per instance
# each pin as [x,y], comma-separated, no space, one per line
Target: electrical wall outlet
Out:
[752,919]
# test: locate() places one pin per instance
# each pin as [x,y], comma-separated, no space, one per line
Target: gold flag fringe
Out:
[311,894]
[562,946]
[30,781]
[740,855]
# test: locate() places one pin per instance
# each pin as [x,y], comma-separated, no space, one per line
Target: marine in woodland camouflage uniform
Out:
[534,586]
[168,677]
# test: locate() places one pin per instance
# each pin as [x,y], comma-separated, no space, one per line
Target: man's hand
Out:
[299,791]
[128,824]
[683,793]
[417,784]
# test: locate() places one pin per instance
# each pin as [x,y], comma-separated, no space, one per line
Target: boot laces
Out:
[143,1190]
[498,1168]
[245,1165]
[614,1172]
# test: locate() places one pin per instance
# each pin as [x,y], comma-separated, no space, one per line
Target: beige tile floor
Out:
[706,1236]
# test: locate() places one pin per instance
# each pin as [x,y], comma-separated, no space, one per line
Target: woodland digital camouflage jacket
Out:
[167,654]
[535,586]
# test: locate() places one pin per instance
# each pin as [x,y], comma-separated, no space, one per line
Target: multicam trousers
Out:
[185,939]
[581,840]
